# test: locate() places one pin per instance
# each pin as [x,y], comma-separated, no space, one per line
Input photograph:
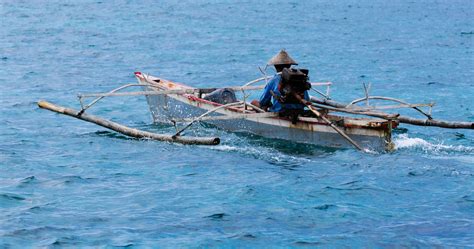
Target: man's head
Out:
[281,60]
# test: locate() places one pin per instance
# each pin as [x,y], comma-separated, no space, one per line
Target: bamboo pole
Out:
[366,98]
[384,107]
[84,108]
[319,115]
[127,130]
[401,119]
[164,92]
[256,80]
[173,91]
[342,133]
[438,123]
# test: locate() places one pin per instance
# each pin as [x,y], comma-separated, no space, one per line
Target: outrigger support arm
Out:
[164,92]
[366,98]
[259,79]
[99,97]
[205,114]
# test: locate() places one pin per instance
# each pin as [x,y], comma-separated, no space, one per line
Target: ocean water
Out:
[67,183]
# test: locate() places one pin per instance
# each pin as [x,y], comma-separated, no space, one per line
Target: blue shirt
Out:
[268,98]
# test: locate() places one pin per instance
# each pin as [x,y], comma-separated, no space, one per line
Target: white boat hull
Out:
[165,108]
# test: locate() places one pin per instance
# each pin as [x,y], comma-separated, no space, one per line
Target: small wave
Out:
[27,181]
[126,245]
[243,236]
[46,207]
[218,216]
[345,189]
[23,104]
[351,182]
[70,180]
[11,197]
[468,198]
[402,141]
[307,243]
[64,242]
[38,230]
[325,207]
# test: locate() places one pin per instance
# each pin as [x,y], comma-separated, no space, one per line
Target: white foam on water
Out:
[260,152]
[402,141]
[224,148]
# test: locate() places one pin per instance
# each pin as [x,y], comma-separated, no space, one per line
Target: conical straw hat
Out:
[282,58]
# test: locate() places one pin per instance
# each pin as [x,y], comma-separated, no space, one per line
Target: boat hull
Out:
[165,108]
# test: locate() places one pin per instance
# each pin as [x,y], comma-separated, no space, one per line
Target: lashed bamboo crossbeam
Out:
[366,98]
[177,91]
[384,107]
[127,130]
[93,102]
[259,79]
[402,119]
[164,92]
[256,80]
[148,93]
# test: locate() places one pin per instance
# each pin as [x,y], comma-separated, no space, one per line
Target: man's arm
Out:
[265,99]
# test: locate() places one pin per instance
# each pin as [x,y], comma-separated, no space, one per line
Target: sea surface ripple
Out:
[67,183]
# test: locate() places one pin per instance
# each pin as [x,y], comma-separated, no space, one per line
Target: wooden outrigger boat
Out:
[176,103]
[373,133]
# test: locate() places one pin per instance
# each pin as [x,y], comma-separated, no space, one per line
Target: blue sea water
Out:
[67,183]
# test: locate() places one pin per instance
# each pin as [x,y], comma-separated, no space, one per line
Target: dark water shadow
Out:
[281,145]
[288,147]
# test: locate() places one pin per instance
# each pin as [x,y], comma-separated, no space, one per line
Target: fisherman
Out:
[270,98]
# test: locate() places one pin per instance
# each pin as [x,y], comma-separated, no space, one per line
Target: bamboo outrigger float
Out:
[176,103]
[126,130]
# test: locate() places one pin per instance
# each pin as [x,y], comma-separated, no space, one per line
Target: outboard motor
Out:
[294,81]
[222,96]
